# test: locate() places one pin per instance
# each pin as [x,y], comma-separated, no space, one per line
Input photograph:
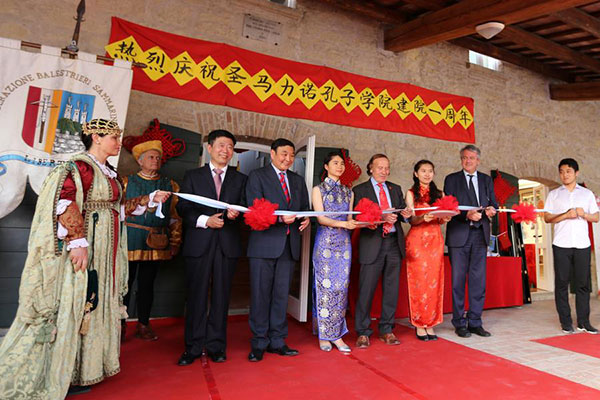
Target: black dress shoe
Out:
[186,359]
[74,390]
[479,331]
[256,355]
[424,338]
[463,332]
[218,356]
[283,351]
[432,337]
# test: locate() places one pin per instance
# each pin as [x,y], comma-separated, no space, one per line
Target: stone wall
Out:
[519,129]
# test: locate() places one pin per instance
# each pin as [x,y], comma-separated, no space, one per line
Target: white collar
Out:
[213,167]
[375,183]
[278,171]
[467,174]
[577,186]
[105,170]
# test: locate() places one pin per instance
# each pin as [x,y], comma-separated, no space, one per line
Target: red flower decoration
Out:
[448,202]
[261,215]
[525,212]
[369,211]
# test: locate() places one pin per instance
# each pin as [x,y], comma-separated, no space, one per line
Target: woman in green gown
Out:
[76,228]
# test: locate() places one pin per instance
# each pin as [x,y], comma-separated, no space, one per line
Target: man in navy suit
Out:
[273,252]
[467,238]
[211,248]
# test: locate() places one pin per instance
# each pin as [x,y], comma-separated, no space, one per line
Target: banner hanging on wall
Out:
[44,100]
[217,73]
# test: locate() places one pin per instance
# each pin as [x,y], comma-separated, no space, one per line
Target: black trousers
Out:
[386,265]
[145,271]
[469,260]
[270,280]
[572,262]
[206,323]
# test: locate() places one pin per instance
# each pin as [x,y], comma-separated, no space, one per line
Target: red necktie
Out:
[286,192]
[284,187]
[384,203]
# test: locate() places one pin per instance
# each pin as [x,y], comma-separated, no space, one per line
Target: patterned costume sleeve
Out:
[132,204]
[72,219]
[175,226]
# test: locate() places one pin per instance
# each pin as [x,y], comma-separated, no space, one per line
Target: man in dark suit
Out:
[274,251]
[211,248]
[467,238]
[381,250]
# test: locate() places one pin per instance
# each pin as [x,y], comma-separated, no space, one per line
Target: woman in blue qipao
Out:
[332,255]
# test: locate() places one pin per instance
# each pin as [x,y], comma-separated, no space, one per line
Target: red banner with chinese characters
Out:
[217,73]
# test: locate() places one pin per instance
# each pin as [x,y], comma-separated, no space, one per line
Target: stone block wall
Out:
[519,129]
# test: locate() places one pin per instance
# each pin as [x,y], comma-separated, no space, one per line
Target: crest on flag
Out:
[53,119]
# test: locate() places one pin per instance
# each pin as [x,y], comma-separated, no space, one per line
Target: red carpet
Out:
[413,370]
[583,343]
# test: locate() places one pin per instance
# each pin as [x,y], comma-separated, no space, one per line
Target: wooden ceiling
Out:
[559,39]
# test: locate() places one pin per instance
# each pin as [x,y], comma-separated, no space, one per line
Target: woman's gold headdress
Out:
[102,127]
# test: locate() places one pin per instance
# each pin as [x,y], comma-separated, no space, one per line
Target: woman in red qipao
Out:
[425,254]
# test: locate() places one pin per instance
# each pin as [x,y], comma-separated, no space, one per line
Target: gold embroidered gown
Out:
[43,352]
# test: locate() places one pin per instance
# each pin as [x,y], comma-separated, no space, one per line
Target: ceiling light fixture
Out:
[489,29]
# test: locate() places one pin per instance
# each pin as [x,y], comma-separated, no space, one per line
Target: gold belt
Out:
[101,205]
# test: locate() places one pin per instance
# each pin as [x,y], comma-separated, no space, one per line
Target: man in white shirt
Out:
[571,208]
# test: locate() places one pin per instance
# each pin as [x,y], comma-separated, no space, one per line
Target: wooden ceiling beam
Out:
[389,2]
[562,33]
[536,42]
[575,41]
[460,19]
[545,27]
[586,47]
[431,5]
[580,20]
[582,91]
[510,57]
[371,10]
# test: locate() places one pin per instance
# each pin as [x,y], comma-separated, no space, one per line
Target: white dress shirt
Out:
[571,233]
[201,221]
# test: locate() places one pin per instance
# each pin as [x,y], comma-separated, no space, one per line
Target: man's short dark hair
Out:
[373,158]
[281,142]
[569,162]
[214,135]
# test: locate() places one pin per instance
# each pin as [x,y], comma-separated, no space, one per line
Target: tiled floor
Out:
[512,331]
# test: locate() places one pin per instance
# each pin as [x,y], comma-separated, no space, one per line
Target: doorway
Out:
[537,238]
[250,155]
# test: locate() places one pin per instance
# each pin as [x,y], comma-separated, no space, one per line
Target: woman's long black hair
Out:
[434,192]
[329,157]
